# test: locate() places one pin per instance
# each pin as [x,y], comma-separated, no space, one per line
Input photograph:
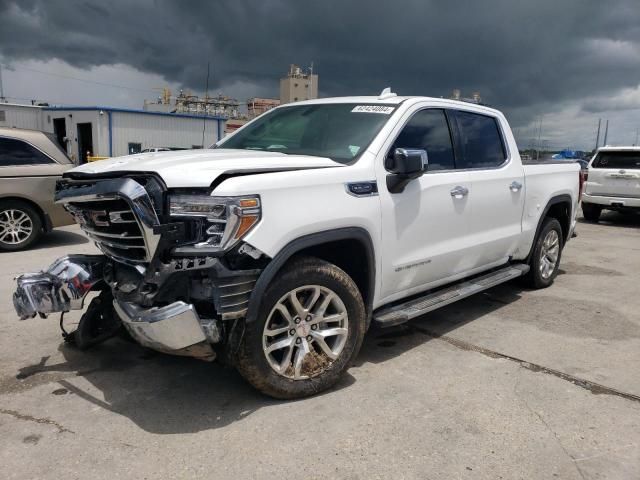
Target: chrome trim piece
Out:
[116,216]
[122,235]
[125,189]
[515,186]
[168,329]
[459,192]
[115,244]
[62,287]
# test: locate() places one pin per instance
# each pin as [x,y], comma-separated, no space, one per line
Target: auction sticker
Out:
[372,109]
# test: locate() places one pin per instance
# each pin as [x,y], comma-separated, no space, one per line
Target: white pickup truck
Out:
[276,249]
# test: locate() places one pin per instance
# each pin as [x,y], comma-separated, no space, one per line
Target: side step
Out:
[397,314]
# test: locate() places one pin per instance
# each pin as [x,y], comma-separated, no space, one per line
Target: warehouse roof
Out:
[128,110]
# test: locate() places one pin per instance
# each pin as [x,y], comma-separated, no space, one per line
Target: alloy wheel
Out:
[305,332]
[549,254]
[15,226]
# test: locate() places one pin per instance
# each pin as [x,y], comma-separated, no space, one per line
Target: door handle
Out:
[515,186]
[459,192]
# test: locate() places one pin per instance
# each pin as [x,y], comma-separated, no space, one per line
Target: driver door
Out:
[425,228]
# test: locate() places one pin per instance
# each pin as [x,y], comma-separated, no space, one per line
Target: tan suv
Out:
[30,164]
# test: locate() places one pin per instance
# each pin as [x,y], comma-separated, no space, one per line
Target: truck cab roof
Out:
[392,99]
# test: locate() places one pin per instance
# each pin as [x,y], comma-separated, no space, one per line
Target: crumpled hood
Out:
[199,168]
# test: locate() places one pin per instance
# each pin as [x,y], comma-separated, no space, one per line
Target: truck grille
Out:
[118,214]
[114,227]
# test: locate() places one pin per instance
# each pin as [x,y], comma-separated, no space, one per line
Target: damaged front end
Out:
[173,291]
[60,288]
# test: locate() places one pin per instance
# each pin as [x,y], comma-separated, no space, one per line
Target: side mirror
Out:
[405,165]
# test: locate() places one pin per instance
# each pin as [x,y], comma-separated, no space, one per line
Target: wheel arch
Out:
[560,208]
[334,246]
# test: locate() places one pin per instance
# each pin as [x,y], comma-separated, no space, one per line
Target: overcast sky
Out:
[566,62]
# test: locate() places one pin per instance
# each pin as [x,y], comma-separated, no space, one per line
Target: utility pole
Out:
[538,142]
[310,92]
[1,87]
[636,142]
[606,134]
[598,135]
[206,95]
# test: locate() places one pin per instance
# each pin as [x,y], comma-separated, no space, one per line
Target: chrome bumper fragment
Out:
[174,329]
[60,288]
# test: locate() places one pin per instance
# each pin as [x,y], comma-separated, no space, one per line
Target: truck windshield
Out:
[338,131]
[620,159]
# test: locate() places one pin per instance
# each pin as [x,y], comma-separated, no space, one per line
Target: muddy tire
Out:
[590,212]
[545,259]
[20,225]
[310,327]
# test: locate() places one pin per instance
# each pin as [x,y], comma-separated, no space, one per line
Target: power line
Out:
[84,80]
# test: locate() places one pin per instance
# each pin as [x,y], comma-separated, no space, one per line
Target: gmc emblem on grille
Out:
[97,218]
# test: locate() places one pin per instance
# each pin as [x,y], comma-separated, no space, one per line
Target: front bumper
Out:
[614,202]
[175,328]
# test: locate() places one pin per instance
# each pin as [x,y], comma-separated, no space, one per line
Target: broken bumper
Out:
[60,288]
[175,328]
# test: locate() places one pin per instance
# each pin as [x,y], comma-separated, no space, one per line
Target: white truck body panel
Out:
[199,168]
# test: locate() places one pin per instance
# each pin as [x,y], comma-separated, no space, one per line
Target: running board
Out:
[397,314]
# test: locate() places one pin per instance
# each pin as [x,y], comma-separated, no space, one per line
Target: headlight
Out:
[226,219]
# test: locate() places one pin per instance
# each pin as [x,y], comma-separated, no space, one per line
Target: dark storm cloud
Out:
[523,56]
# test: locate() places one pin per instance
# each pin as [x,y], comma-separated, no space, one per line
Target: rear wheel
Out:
[20,225]
[311,325]
[591,212]
[545,259]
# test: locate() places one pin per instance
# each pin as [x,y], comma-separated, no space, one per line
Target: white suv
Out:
[613,182]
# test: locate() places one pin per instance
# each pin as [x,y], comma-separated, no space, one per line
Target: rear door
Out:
[497,186]
[615,173]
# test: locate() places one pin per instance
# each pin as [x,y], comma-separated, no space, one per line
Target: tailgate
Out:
[615,174]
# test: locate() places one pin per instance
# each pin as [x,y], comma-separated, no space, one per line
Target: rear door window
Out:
[15,153]
[617,160]
[428,130]
[480,141]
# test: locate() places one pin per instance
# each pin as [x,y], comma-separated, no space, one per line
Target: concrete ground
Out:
[510,384]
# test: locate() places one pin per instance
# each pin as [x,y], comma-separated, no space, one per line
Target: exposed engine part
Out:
[97,324]
[211,329]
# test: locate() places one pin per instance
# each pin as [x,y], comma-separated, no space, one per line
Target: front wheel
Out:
[311,325]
